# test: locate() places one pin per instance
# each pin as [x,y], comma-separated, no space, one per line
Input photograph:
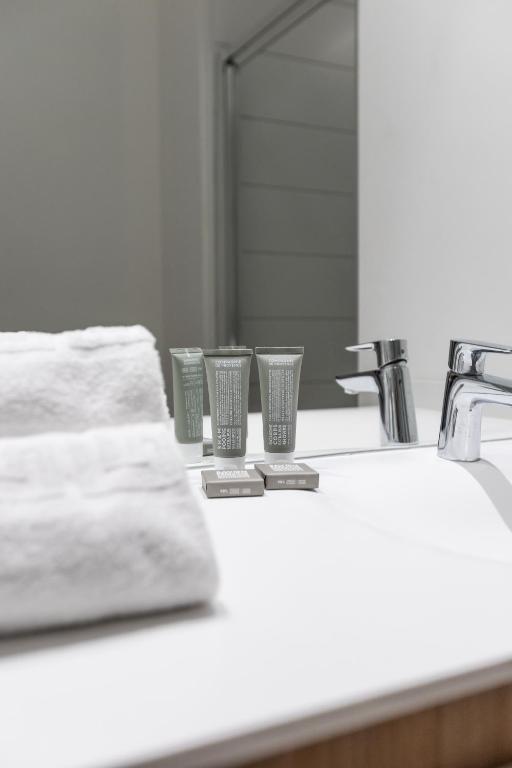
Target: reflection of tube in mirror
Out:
[227,373]
[279,371]
[187,381]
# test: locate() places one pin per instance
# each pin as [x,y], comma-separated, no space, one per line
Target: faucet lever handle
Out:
[367,345]
[387,350]
[467,356]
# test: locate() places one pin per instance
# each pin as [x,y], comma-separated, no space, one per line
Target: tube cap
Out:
[207,446]
[235,462]
[191,452]
[279,458]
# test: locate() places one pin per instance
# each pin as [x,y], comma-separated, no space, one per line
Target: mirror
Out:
[292,160]
[316,173]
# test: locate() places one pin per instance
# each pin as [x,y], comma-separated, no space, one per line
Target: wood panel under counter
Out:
[471,732]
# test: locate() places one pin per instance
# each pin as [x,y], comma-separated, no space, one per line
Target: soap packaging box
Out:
[232,483]
[292,476]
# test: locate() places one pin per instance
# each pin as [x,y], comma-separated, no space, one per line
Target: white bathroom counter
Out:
[324,623]
[347,429]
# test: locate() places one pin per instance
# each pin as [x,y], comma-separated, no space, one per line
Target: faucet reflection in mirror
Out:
[391,381]
[467,389]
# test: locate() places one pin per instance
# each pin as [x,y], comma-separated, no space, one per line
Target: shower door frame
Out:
[227,244]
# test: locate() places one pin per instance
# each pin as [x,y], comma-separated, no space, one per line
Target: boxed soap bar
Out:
[232,483]
[282,476]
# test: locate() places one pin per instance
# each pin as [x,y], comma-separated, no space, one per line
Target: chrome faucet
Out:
[391,381]
[467,390]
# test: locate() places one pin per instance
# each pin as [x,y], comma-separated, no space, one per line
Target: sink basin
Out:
[465,508]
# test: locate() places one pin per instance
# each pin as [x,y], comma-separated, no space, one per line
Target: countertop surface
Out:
[324,622]
[355,429]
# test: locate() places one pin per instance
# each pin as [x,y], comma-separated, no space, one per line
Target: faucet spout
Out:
[467,389]
[461,419]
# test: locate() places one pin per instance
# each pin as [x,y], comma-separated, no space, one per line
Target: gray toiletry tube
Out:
[235,346]
[227,373]
[279,370]
[187,380]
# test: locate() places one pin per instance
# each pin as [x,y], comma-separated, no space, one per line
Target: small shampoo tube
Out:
[279,371]
[187,380]
[227,373]
[235,346]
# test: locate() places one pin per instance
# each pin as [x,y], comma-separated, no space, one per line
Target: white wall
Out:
[435,165]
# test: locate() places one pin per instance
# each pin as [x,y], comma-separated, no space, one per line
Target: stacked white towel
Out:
[98,524]
[79,380]
[97,518]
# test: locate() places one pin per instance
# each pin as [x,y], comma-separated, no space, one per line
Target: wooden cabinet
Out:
[473,732]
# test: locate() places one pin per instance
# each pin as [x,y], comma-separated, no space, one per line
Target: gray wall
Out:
[297,199]
[186,92]
[106,167]
[107,162]
[80,239]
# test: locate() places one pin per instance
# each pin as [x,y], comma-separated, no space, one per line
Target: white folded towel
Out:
[96,525]
[79,380]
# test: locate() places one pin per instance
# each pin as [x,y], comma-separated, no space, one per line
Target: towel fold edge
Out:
[86,339]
